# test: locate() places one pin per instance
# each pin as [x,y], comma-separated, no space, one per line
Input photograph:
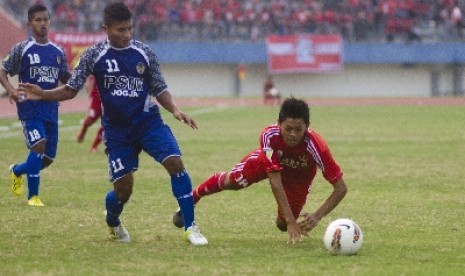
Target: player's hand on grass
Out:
[28,91]
[308,221]
[183,117]
[295,233]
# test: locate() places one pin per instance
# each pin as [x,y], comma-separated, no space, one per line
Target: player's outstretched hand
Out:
[295,233]
[183,117]
[308,221]
[28,91]
[16,96]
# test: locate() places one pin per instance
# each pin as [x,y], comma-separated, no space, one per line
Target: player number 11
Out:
[117,165]
[112,66]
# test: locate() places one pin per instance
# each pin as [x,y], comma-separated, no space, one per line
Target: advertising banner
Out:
[304,53]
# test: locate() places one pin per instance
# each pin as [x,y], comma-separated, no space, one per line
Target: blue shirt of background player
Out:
[42,64]
[126,79]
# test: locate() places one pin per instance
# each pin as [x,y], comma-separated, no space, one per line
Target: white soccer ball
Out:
[343,237]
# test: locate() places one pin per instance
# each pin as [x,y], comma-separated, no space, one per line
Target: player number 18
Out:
[34,58]
[34,135]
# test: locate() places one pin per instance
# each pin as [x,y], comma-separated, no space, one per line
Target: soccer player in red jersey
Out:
[271,95]
[93,114]
[289,155]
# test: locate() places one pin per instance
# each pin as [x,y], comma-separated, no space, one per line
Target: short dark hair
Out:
[33,9]
[296,109]
[116,12]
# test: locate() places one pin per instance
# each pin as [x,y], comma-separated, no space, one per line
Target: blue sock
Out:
[20,169]
[114,209]
[34,164]
[182,189]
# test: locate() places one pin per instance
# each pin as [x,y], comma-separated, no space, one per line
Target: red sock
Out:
[210,186]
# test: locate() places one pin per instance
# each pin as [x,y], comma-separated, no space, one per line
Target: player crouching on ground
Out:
[289,155]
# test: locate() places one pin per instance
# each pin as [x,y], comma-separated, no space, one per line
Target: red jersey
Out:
[95,108]
[297,165]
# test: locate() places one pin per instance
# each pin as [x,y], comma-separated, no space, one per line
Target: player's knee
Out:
[173,165]
[123,188]
[123,195]
[46,162]
[281,224]
[39,147]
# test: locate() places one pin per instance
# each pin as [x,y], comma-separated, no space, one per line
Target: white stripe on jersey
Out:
[57,47]
[312,149]
[268,135]
[29,44]
[142,52]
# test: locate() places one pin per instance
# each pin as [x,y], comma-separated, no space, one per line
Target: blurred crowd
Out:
[253,20]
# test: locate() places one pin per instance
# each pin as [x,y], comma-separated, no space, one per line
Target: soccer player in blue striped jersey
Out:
[128,74]
[38,61]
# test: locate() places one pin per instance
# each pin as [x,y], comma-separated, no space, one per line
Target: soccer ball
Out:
[343,237]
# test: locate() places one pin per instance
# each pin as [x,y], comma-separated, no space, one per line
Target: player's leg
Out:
[90,119]
[97,140]
[36,139]
[114,203]
[122,162]
[244,174]
[162,146]
[34,166]
[160,143]
[247,172]
[181,186]
[214,184]
[51,145]
[31,167]
[43,155]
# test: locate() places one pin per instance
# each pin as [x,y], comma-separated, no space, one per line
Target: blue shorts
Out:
[37,130]
[125,145]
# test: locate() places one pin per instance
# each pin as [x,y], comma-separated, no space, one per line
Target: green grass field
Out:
[404,166]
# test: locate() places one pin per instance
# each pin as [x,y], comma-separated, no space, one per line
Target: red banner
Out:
[304,53]
[74,44]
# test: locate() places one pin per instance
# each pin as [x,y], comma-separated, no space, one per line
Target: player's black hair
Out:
[35,8]
[296,109]
[116,12]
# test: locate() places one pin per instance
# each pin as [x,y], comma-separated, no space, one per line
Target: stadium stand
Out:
[11,33]
[253,20]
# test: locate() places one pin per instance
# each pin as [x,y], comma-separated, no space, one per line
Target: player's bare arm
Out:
[166,100]
[13,93]
[65,78]
[310,221]
[34,92]
[293,229]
